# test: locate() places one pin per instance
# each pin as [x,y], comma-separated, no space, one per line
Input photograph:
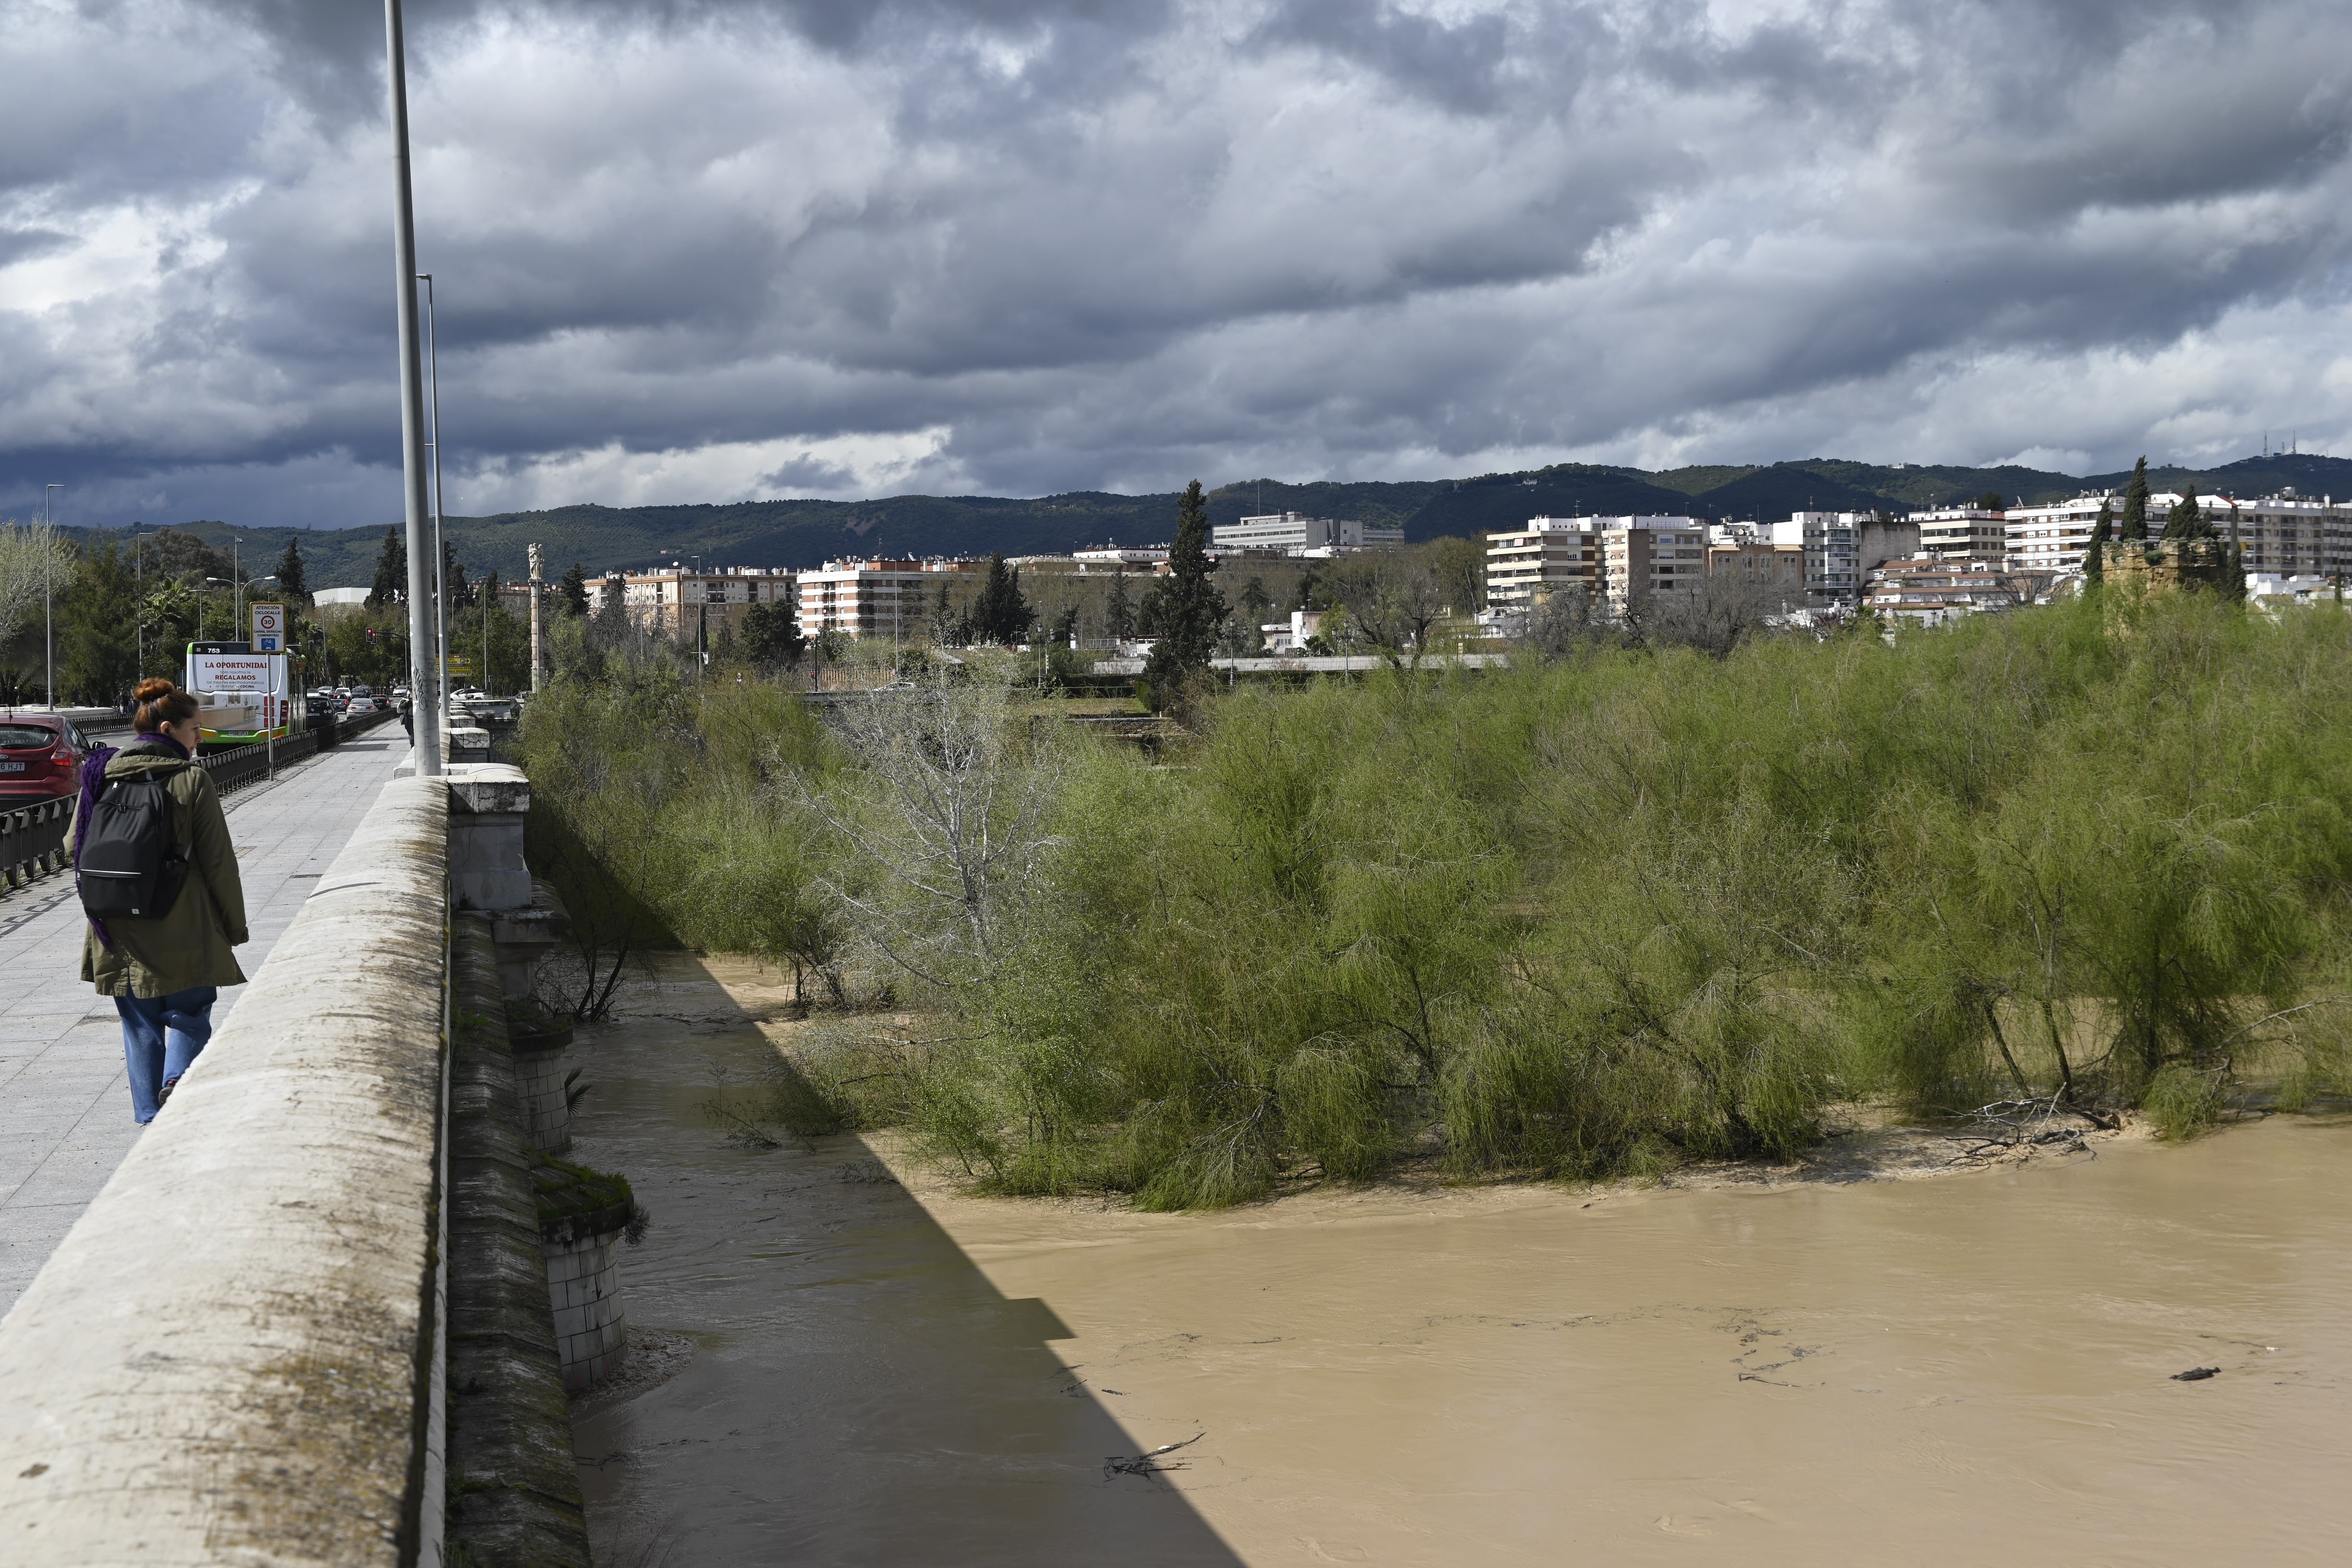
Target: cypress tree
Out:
[2183,521]
[291,584]
[2135,530]
[2094,564]
[1118,616]
[391,586]
[1191,607]
[999,614]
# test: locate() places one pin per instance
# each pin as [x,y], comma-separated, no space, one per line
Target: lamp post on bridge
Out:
[425,685]
[440,551]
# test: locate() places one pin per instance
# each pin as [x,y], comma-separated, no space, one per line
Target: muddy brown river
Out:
[1957,1370]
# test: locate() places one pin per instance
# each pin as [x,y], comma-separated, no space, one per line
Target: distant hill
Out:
[801,533]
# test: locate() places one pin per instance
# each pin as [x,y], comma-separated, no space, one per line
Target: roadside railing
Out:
[33,837]
[33,840]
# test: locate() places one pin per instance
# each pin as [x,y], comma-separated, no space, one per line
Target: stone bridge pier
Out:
[308,1319]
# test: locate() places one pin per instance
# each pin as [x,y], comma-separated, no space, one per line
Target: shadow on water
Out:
[860,1392]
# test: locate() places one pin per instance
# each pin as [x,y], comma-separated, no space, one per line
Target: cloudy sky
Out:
[715,249]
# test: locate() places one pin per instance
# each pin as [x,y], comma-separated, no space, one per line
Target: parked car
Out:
[38,755]
[363,705]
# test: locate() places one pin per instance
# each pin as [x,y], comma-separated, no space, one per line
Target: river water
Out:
[1955,1370]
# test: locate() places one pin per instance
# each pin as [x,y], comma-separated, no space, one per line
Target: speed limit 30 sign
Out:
[269,629]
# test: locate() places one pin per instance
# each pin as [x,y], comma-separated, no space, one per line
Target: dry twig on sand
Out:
[1148,1464]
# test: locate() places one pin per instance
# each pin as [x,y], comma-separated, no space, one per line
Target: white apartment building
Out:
[691,607]
[2283,534]
[1294,533]
[1962,533]
[1618,558]
[1550,553]
[2054,538]
[1841,547]
[872,598]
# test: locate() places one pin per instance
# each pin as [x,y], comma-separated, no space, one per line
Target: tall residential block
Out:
[873,598]
[1618,559]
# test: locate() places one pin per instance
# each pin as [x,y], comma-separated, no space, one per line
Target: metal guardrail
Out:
[33,840]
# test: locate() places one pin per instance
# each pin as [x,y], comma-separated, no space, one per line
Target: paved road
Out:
[65,1109]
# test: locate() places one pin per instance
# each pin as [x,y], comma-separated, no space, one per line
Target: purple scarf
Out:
[93,779]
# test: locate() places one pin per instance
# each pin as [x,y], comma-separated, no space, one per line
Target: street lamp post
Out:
[440,551]
[236,588]
[425,685]
[48,572]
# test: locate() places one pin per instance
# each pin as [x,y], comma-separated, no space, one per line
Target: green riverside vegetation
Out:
[1590,917]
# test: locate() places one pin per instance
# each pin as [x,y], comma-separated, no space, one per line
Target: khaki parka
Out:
[190,946]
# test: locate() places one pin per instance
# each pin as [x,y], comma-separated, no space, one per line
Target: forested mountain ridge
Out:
[801,533]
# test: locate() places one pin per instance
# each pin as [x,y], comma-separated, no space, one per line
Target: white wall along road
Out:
[64,1109]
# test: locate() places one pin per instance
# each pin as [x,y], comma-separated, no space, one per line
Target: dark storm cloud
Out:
[710,247]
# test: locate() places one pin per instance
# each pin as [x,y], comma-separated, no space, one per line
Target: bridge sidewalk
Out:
[64,1109]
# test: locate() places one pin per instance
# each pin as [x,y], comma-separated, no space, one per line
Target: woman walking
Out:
[165,974]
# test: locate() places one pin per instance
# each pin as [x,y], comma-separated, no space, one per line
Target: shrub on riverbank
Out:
[1595,916]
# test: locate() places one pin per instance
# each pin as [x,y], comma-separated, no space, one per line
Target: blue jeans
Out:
[161,1035]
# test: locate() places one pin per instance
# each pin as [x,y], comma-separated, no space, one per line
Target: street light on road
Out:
[49,570]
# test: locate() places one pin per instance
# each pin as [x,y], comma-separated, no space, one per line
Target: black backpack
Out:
[131,862]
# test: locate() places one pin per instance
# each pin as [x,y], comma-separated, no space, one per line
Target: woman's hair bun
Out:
[152,687]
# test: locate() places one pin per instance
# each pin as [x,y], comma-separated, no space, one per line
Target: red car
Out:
[38,755]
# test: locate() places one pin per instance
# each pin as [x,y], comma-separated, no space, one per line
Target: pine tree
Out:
[1118,616]
[1191,607]
[573,590]
[291,584]
[391,586]
[2135,530]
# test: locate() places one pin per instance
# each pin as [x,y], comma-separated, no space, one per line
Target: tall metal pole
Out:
[440,553]
[48,572]
[425,689]
[538,581]
[236,588]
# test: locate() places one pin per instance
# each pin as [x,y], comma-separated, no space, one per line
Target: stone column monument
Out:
[538,581]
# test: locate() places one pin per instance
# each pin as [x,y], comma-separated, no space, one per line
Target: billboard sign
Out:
[269,629]
[246,674]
